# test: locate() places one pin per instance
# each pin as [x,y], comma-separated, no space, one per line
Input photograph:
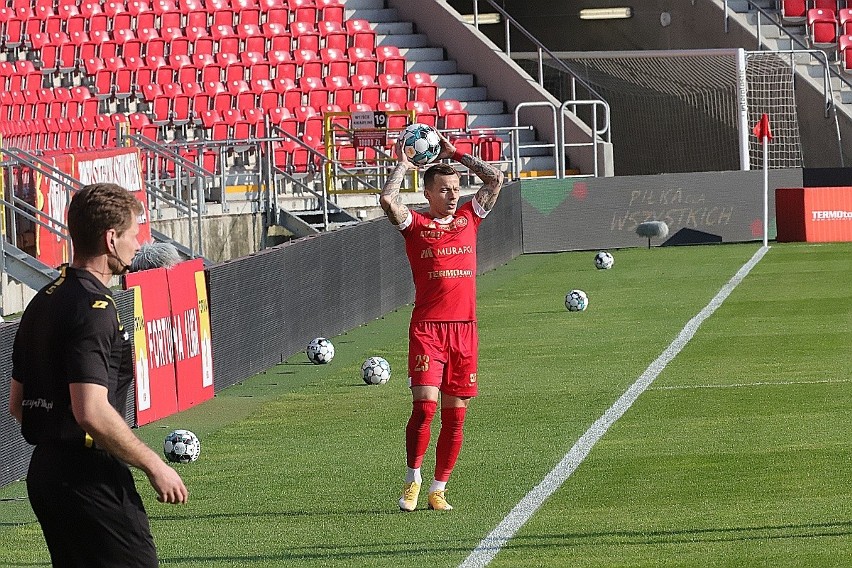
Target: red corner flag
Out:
[761,129]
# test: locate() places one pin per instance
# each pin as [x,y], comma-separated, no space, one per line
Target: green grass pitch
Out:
[737,455]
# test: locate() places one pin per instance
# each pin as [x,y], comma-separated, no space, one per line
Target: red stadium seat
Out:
[793,11]
[822,28]
[360,34]
[363,61]
[422,87]
[844,46]
[331,11]
[308,62]
[369,92]
[423,113]
[844,17]
[390,59]
[335,62]
[340,90]
[394,89]
[314,91]
[332,35]
[452,115]
[305,35]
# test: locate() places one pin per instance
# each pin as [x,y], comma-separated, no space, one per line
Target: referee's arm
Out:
[16,400]
[101,421]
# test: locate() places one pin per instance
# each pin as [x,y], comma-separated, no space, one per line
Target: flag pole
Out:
[765,191]
[761,130]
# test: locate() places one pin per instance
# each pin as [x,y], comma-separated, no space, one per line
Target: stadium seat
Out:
[423,113]
[360,34]
[822,28]
[331,11]
[395,121]
[363,61]
[332,35]
[844,46]
[283,64]
[844,18]
[302,10]
[390,60]
[489,147]
[793,11]
[369,92]
[314,91]
[823,4]
[422,88]
[340,90]
[451,115]
[335,62]
[394,89]
[305,36]
[308,62]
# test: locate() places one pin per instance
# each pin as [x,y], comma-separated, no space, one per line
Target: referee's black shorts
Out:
[89,510]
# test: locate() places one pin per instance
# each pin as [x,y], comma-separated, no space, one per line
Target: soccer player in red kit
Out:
[443,340]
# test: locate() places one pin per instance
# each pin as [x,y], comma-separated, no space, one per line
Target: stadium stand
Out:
[198,70]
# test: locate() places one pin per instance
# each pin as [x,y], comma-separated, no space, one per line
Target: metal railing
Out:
[593,99]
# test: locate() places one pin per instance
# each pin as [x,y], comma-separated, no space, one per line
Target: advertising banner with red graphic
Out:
[122,166]
[52,199]
[814,214]
[156,383]
[192,357]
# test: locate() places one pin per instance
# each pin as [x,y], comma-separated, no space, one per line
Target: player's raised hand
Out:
[400,155]
[447,148]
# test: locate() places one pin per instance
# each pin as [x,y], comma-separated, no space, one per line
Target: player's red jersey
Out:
[443,264]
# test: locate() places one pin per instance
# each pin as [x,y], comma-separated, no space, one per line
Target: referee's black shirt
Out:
[69,333]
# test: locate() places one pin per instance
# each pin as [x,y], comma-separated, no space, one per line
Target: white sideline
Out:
[489,546]
[748,385]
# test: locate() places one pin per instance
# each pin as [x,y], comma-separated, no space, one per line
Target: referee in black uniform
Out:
[72,366]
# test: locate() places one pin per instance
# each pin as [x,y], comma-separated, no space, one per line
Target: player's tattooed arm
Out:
[491,177]
[390,199]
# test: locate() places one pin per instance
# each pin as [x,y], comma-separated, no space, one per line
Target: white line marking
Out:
[745,385]
[489,546]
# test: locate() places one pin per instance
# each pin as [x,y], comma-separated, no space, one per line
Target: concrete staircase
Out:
[422,56]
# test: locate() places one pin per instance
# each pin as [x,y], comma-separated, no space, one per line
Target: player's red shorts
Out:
[444,355]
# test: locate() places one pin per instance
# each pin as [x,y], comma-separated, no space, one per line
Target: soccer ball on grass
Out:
[604,260]
[181,446]
[421,143]
[576,301]
[320,350]
[375,371]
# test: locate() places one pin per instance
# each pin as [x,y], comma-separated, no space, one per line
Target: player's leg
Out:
[459,387]
[424,371]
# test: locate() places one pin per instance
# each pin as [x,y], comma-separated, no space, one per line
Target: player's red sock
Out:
[418,430]
[449,441]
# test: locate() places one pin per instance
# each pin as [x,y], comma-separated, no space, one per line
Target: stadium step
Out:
[374,15]
[433,67]
[424,54]
[393,28]
[462,93]
[404,40]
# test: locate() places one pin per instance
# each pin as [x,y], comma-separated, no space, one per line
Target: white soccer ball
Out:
[421,143]
[320,350]
[576,301]
[182,446]
[604,260]
[375,371]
